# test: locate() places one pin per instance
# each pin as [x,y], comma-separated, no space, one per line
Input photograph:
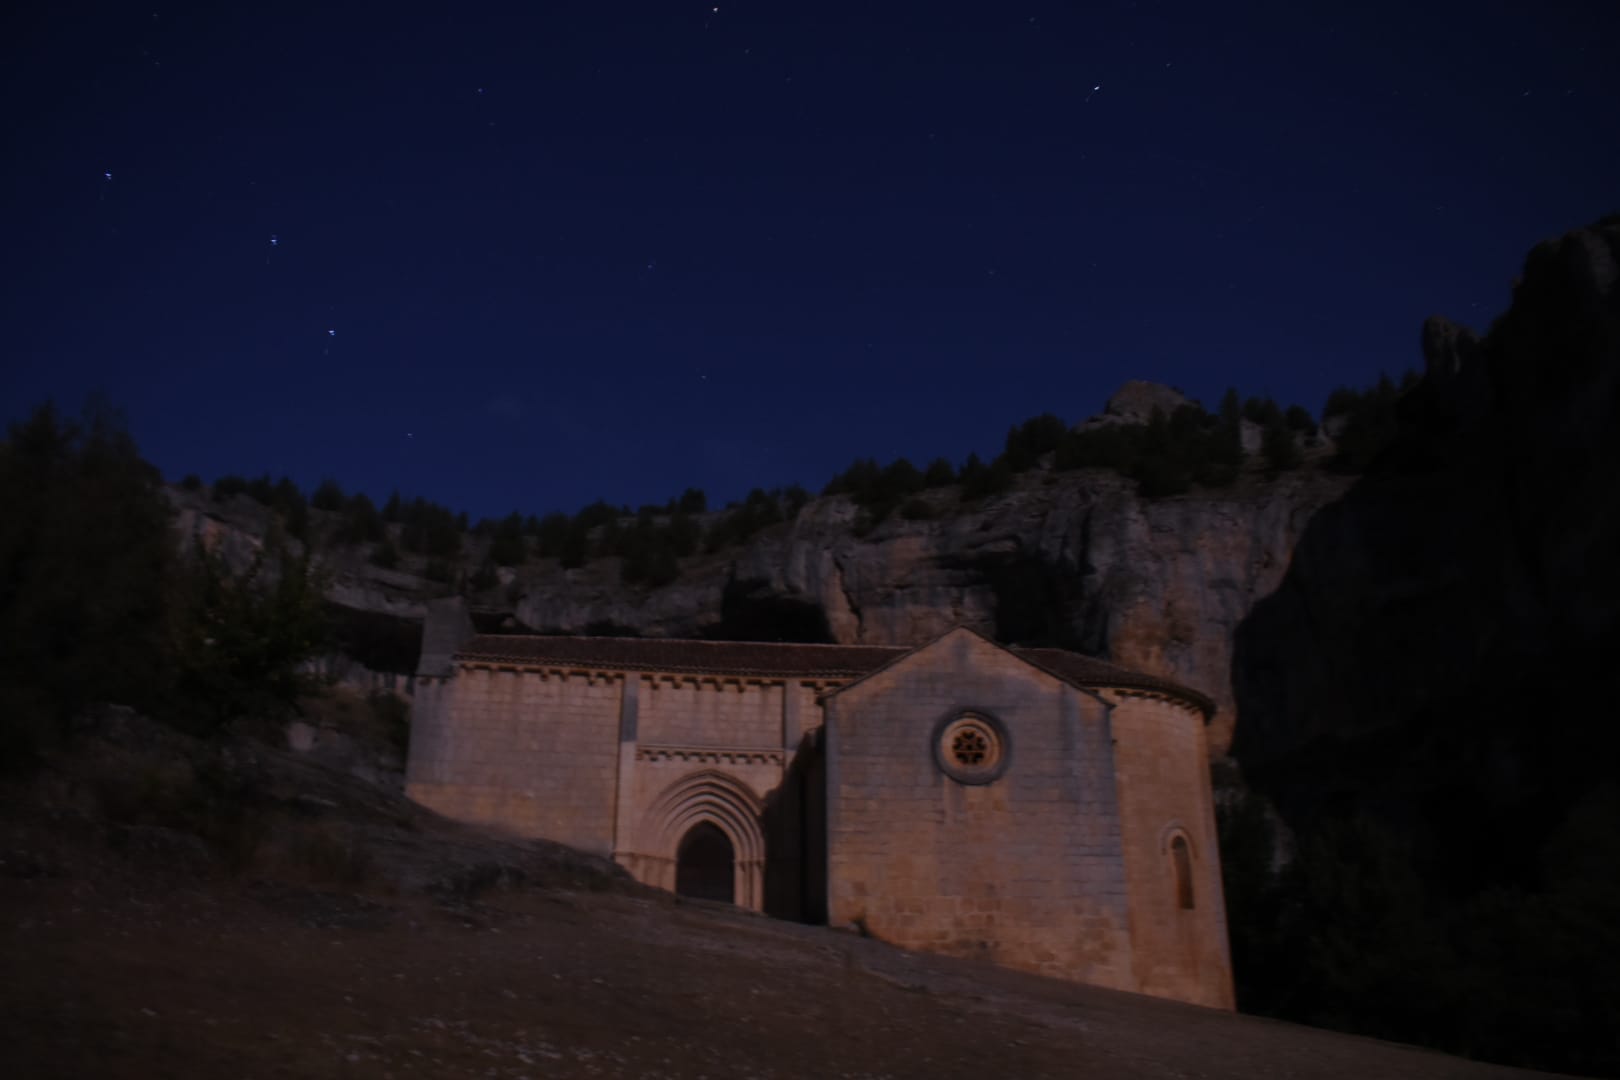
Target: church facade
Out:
[1032,807]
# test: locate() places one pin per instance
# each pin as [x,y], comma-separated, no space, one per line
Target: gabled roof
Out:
[765,659]
[1088,672]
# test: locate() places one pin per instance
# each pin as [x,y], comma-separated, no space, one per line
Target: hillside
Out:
[331,928]
[1078,558]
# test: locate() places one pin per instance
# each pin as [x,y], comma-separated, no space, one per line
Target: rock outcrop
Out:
[1077,560]
[1476,561]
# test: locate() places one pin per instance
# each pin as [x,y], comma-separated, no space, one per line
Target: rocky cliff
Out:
[1075,559]
[1470,581]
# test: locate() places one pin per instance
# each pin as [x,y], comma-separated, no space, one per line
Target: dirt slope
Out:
[353,936]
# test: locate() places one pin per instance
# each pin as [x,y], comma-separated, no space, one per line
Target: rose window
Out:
[971,747]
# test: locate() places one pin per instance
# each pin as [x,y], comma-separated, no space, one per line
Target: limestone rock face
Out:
[1077,560]
[1136,400]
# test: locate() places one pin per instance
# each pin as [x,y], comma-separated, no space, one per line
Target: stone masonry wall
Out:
[1164,791]
[710,712]
[1025,871]
[533,754]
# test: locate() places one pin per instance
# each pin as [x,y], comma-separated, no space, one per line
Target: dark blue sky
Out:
[524,256]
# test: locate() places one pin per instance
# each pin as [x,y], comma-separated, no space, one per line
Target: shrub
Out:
[328,496]
[1278,445]
[742,520]
[940,473]
[1370,423]
[918,509]
[242,637]
[981,481]
[391,714]
[484,578]
[551,534]
[362,524]
[1166,455]
[1028,441]
[429,529]
[228,487]
[85,555]
[385,555]
[794,498]
[508,547]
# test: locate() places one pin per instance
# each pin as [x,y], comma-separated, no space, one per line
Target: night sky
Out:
[526,256]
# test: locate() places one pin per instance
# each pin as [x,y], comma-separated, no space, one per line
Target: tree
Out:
[980,481]
[693,501]
[241,638]
[385,555]
[328,496]
[507,546]
[228,487]
[1278,445]
[551,533]
[85,552]
[362,524]
[1028,441]
[940,473]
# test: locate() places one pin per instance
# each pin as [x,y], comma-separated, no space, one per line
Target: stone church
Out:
[1036,808]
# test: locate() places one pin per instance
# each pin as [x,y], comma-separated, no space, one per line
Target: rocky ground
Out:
[170,908]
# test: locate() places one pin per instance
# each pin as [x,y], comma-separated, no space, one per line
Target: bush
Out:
[328,496]
[85,554]
[648,549]
[918,509]
[1298,418]
[980,481]
[940,473]
[429,529]
[551,535]
[392,715]
[191,482]
[361,524]
[1370,423]
[242,637]
[794,499]
[1278,446]
[1165,456]
[385,555]
[759,510]
[484,578]
[1028,441]
[508,547]
[228,487]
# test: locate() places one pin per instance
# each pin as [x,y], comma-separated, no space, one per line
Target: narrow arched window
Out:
[1181,861]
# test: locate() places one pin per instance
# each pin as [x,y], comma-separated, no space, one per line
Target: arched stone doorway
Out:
[659,853]
[705,865]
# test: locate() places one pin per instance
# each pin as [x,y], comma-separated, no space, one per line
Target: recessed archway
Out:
[705,865]
[727,806]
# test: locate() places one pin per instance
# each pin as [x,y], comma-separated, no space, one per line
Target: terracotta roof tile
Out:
[781,660]
[1088,671]
[677,655]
